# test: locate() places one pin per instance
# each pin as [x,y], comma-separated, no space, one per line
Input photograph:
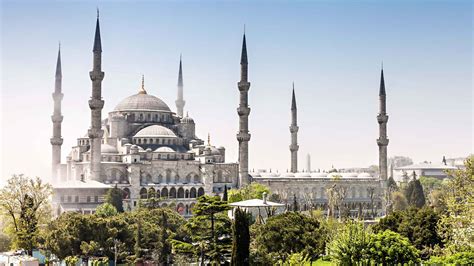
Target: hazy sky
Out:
[332,50]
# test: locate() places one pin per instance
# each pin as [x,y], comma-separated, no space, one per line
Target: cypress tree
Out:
[241,239]
[417,198]
[115,196]
[225,196]
[295,203]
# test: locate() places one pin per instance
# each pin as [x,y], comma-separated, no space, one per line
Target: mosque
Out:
[147,150]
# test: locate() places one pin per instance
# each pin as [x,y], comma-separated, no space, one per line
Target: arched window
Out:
[164,193]
[180,193]
[200,191]
[186,194]
[149,117]
[151,193]
[173,193]
[156,117]
[192,193]
[126,193]
[141,117]
[143,193]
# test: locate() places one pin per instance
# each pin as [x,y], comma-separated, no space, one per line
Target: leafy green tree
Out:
[430,183]
[251,191]
[390,248]
[241,238]
[457,223]
[350,244]
[114,197]
[25,201]
[399,200]
[209,231]
[106,210]
[288,233]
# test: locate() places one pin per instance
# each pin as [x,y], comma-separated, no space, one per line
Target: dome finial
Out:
[142,89]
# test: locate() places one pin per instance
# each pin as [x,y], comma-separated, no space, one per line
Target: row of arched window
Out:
[353,192]
[171,179]
[158,141]
[172,193]
[148,117]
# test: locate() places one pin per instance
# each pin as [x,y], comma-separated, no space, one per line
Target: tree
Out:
[288,233]
[225,197]
[241,238]
[105,210]
[251,191]
[400,203]
[457,223]
[390,248]
[349,246]
[209,230]
[114,196]
[25,201]
[414,193]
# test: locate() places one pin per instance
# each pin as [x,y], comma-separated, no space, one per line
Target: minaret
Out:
[96,104]
[294,134]
[382,141]
[180,101]
[243,110]
[57,118]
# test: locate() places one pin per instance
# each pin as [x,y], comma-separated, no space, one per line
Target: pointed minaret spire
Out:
[208,139]
[180,101]
[57,119]
[243,136]
[382,141]
[97,42]
[96,104]
[294,133]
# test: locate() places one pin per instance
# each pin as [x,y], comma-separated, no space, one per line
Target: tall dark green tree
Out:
[114,196]
[27,234]
[241,238]
[417,197]
[225,197]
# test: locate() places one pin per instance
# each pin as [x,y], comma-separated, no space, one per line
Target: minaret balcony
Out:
[294,147]
[96,104]
[241,136]
[243,85]
[57,118]
[57,96]
[56,141]
[294,129]
[243,111]
[96,75]
[382,141]
[382,118]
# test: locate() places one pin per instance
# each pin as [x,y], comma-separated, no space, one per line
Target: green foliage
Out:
[241,238]
[390,248]
[25,201]
[114,197]
[288,233]
[460,258]
[350,244]
[414,193]
[430,183]
[297,259]
[105,210]
[251,191]
[400,203]
[457,222]
[418,225]
[5,242]
[71,260]
[208,230]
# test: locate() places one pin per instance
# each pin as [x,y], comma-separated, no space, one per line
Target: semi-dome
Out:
[164,149]
[106,148]
[155,131]
[142,102]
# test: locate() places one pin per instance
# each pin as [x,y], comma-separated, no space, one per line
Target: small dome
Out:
[164,149]
[155,131]
[106,148]
[187,120]
[142,102]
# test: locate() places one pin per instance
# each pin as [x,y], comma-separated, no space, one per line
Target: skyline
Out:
[328,124]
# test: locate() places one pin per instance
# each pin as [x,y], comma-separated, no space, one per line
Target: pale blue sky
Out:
[332,50]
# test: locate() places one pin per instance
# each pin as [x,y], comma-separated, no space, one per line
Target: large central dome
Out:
[142,102]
